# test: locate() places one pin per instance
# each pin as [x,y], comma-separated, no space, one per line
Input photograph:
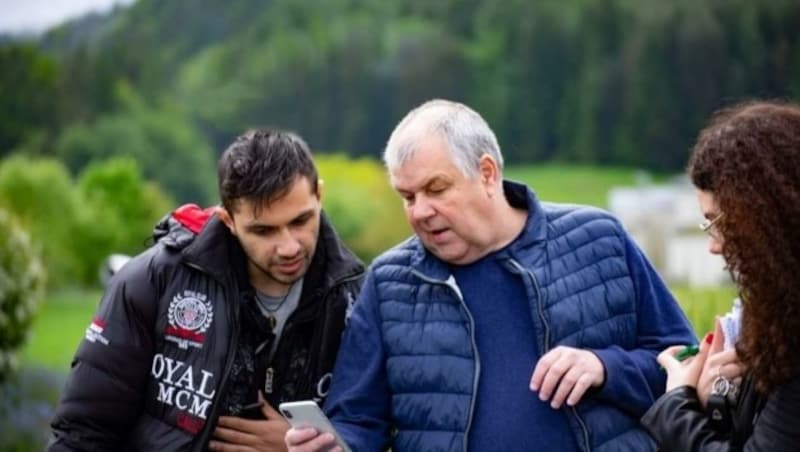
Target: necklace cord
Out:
[267,306]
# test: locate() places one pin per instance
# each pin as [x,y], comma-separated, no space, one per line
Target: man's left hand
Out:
[565,374]
[235,434]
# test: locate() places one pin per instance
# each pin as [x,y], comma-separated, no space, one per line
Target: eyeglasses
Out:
[708,227]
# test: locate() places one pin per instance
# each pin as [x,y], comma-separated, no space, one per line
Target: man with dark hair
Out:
[231,312]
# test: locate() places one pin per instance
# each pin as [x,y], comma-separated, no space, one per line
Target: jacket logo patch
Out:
[94,333]
[190,314]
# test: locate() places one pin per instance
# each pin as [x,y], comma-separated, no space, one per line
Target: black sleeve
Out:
[677,423]
[778,425]
[103,395]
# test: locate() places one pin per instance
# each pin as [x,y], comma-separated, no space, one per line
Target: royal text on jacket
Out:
[179,385]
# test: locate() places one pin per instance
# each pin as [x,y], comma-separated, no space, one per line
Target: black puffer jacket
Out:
[769,424]
[153,371]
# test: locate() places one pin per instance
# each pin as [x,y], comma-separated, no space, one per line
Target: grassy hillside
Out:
[60,327]
[571,183]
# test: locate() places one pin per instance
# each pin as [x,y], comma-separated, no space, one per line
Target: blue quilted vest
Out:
[572,262]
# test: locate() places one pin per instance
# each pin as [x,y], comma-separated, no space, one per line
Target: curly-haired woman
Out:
[746,169]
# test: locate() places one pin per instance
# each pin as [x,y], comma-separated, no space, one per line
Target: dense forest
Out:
[607,82]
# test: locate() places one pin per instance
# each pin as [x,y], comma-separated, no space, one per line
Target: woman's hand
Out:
[719,363]
[687,372]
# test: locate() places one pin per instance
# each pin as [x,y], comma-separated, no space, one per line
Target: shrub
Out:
[41,195]
[21,290]
[361,204]
[28,404]
[109,209]
[118,211]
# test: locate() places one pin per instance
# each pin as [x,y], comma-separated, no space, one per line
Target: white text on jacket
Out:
[176,385]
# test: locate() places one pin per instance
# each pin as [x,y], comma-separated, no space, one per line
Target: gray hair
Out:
[466,133]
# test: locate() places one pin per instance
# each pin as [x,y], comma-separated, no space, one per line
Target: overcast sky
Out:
[38,15]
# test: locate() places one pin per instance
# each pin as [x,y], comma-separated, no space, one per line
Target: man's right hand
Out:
[234,434]
[309,440]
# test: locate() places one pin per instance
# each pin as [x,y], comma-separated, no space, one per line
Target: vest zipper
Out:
[543,319]
[451,284]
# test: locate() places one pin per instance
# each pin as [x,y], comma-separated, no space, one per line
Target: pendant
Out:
[273,322]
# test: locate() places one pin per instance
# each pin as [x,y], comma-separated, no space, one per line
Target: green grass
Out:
[59,328]
[571,183]
[65,315]
[702,305]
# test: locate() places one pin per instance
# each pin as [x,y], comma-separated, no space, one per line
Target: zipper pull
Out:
[269,376]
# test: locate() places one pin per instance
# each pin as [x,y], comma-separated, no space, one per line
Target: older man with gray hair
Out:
[504,323]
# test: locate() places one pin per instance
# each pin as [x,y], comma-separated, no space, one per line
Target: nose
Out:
[421,209]
[288,246]
[714,246]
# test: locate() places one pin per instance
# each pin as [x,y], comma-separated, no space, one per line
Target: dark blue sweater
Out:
[504,334]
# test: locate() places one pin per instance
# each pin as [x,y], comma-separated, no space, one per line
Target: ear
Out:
[226,218]
[320,186]
[489,174]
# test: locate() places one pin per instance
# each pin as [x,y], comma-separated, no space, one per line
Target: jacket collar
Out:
[534,232]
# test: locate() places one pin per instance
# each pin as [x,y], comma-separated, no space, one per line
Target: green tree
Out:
[168,148]
[592,107]
[28,101]
[21,290]
[525,72]
[41,195]
[591,81]
[118,212]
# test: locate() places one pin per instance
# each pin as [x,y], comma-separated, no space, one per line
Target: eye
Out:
[437,190]
[263,231]
[300,221]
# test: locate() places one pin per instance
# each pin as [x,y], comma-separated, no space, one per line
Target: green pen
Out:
[688,351]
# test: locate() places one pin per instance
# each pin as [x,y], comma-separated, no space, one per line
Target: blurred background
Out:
[112,113]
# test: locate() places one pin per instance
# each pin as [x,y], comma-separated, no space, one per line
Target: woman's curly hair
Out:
[748,158]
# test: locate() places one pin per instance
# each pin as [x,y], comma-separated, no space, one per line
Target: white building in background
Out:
[663,220]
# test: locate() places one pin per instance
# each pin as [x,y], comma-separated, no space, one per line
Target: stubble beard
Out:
[280,278]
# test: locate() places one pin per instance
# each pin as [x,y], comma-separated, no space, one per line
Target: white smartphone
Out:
[306,413]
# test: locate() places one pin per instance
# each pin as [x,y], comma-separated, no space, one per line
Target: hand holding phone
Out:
[306,413]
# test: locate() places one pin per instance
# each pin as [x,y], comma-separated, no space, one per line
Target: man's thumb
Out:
[266,408]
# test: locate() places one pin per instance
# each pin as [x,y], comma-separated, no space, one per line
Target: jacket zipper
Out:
[233,311]
[546,349]
[324,295]
[451,284]
[290,325]
[336,284]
